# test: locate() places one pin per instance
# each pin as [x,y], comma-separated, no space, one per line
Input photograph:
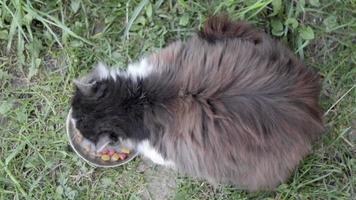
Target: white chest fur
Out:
[139,69]
[147,150]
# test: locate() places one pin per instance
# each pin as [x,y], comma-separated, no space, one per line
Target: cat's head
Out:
[107,105]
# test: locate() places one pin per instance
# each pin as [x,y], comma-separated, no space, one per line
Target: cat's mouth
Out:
[94,151]
[103,142]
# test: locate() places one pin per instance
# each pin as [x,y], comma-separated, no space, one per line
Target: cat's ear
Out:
[86,84]
[85,88]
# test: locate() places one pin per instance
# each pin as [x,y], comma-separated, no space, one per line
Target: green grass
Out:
[45,44]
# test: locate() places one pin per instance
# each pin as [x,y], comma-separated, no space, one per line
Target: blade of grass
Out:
[20,50]
[314,180]
[134,15]
[259,8]
[14,153]
[341,135]
[340,99]
[57,23]
[41,16]
[13,179]
[300,49]
[258,5]
[15,23]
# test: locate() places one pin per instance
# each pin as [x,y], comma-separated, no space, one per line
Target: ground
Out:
[45,44]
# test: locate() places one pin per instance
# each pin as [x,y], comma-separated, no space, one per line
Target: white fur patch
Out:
[114,73]
[128,143]
[102,71]
[147,150]
[140,69]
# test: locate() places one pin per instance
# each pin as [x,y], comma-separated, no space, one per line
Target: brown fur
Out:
[236,106]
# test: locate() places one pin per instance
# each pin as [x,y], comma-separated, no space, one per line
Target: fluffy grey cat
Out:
[229,105]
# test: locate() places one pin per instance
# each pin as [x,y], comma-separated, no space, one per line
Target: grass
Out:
[46,44]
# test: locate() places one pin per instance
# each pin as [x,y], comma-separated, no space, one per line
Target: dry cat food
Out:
[114,155]
[103,150]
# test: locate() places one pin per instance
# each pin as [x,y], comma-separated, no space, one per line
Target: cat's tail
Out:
[222,28]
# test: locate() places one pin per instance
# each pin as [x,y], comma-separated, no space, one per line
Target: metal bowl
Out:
[75,140]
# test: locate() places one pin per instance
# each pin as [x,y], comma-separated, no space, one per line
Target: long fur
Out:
[230,105]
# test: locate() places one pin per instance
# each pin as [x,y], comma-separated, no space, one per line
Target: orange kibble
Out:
[105,151]
[115,157]
[125,150]
[105,157]
[122,156]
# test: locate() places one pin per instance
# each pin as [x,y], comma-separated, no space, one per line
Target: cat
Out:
[229,105]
